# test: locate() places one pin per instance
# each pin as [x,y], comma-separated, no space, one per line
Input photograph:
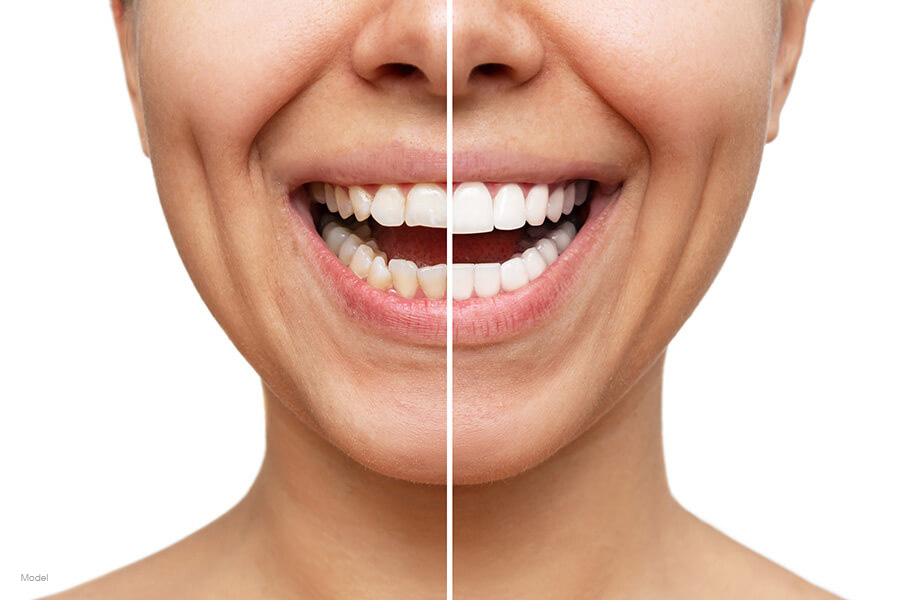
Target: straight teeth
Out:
[475,209]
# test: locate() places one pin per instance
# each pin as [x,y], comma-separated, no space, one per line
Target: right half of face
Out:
[604,154]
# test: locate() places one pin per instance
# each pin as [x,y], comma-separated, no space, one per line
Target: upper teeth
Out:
[474,210]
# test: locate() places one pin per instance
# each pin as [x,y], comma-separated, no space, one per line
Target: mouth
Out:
[384,246]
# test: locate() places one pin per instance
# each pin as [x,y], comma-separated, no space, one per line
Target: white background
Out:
[127,420]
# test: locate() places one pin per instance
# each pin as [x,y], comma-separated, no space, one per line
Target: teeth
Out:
[463,281]
[406,276]
[472,209]
[433,280]
[388,206]
[347,232]
[426,205]
[509,207]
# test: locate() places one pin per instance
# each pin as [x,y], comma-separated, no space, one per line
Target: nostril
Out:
[491,69]
[399,70]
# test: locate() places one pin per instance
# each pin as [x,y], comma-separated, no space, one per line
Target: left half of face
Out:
[262,120]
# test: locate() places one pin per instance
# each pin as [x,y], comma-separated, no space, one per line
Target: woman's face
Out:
[664,107]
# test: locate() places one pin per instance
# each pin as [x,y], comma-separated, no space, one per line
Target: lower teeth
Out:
[353,244]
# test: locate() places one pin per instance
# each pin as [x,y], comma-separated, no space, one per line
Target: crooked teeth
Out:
[474,209]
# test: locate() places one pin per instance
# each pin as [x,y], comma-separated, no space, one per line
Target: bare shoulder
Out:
[719,567]
[203,565]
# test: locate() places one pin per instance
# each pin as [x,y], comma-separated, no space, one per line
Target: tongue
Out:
[428,246]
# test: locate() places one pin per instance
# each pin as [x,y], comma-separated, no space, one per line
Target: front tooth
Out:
[362,230]
[509,207]
[513,274]
[534,263]
[472,209]
[348,248]
[581,191]
[555,203]
[463,281]
[361,200]
[487,280]
[561,238]
[361,261]
[426,205]
[379,274]
[568,199]
[433,281]
[317,191]
[405,276]
[548,250]
[536,204]
[345,208]
[330,200]
[388,206]
[335,238]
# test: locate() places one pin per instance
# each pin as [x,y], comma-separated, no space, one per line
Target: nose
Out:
[494,47]
[405,47]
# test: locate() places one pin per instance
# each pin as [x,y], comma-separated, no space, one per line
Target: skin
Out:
[345,504]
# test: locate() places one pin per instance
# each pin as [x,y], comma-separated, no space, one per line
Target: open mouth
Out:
[505,236]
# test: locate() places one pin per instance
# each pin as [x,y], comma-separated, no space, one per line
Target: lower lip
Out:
[477,320]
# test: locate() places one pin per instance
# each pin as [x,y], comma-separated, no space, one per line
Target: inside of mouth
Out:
[367,231]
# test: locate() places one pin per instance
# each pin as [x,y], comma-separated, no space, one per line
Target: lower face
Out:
[591,208]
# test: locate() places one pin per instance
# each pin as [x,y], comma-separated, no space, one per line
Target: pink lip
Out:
[477,320]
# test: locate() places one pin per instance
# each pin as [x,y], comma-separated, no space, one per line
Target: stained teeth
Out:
[405,275]
[509,207]
[433,280]
[348,248]
[361,261]
[388,206]
[347,232]
[463,281]
[536,205]
[361,200]
[487,280]
[426,205]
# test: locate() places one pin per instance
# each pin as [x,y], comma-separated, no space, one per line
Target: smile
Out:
[393,237]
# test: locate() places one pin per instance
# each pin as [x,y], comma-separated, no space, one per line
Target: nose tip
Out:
[493,47]
[405,47]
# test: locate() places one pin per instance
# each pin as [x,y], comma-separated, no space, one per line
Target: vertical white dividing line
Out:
[449,297]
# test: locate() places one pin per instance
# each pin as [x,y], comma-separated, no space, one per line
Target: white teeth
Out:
[555,203]
[548,250]
[534,263]
[348,248]
[426,206]
[405,276]
[536,204]
[379,274]
[361,200]
[487,280]
[509,207]
[433,281]
[361,261]
[388,206]
[463,281]
[472,209]
[475,211]
[330,200]
[513,274]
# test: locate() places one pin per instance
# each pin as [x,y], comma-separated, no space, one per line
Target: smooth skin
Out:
[347,503]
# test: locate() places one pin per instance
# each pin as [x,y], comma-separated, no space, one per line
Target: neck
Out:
[333,529]
[581,524]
